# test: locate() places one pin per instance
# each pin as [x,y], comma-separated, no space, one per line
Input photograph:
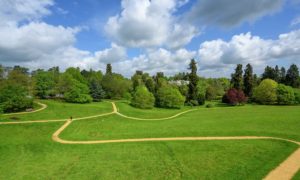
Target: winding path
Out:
[286,170]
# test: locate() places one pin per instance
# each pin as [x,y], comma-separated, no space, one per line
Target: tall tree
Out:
[269,73]
[108,69]
[237,77]
[1,73]
[282,75]
[193,81]
[292,76]
[248,80]
[276,74]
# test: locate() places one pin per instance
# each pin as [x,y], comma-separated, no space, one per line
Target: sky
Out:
[150,35]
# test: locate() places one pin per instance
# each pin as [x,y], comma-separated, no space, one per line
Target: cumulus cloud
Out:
[246,48]
[157,60]
[114,54]
[147,23]
[228,13]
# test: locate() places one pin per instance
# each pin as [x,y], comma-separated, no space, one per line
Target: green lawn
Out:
[62,110]
[27,152]
[126,109]
[297,176]
[276,121]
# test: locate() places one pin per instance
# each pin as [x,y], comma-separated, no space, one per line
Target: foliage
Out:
[209,106]
[96,90]
[297,96]
[169,97]
[292,76]
[193,81]
[234,97]
[150,85]
[211,93]
[108,69]
[237,77]
[265,93]
[14,98]
[285,94]
[248,80]
[142,98]
[44,84]
[115,85]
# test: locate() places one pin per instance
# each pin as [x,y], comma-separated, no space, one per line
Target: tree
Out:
[137,79]
[43,84]
[276,74]
[14,98]
[285,94]
[108,69]
[142,98]
[96,90]
[237,77]
[282,75]
[1,73]
[292,76]
[248,80]
[150,85]
[234,97]
[115,85]
[269,73]
[193,81]
[169,97]
[19,75]
[297,96]
[266,92]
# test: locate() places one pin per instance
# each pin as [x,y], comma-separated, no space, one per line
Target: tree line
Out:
[19,87]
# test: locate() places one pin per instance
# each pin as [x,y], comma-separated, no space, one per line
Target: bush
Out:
[142,98]
[14,98]
[297,96]
[169,97]
[234,97]
[75,96]
[285,95]
[201,99]
[209,106]
[266,92]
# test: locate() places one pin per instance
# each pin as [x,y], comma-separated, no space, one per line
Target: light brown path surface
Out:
[44,106]
[286,170]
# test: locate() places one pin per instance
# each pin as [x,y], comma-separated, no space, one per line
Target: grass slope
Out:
[27,152]
[276,121]
[63,110]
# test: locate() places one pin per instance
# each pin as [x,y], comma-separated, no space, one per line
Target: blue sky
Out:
[150,35]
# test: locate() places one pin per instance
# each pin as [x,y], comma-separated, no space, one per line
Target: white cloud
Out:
[295,21]
[17,10]
[157,60]
[230,13]
[147,23]
[244,48]
[114,54]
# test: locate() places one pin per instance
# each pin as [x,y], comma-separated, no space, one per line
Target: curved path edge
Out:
[44,106]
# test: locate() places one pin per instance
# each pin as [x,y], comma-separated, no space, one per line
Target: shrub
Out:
[266,93]
[234,97]
[201,99]
[75,96]
[14,98]
[285,94]
[209,106]
[169,97]
[297,96]
[142,98]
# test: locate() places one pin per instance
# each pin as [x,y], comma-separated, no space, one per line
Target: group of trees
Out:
[276,86]
[18,87]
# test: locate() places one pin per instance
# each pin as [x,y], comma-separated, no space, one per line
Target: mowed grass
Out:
[297,176]
[126,109]
[61,110]
[275,121]
[27,152]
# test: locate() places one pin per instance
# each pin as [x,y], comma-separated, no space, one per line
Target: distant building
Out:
[179,82]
